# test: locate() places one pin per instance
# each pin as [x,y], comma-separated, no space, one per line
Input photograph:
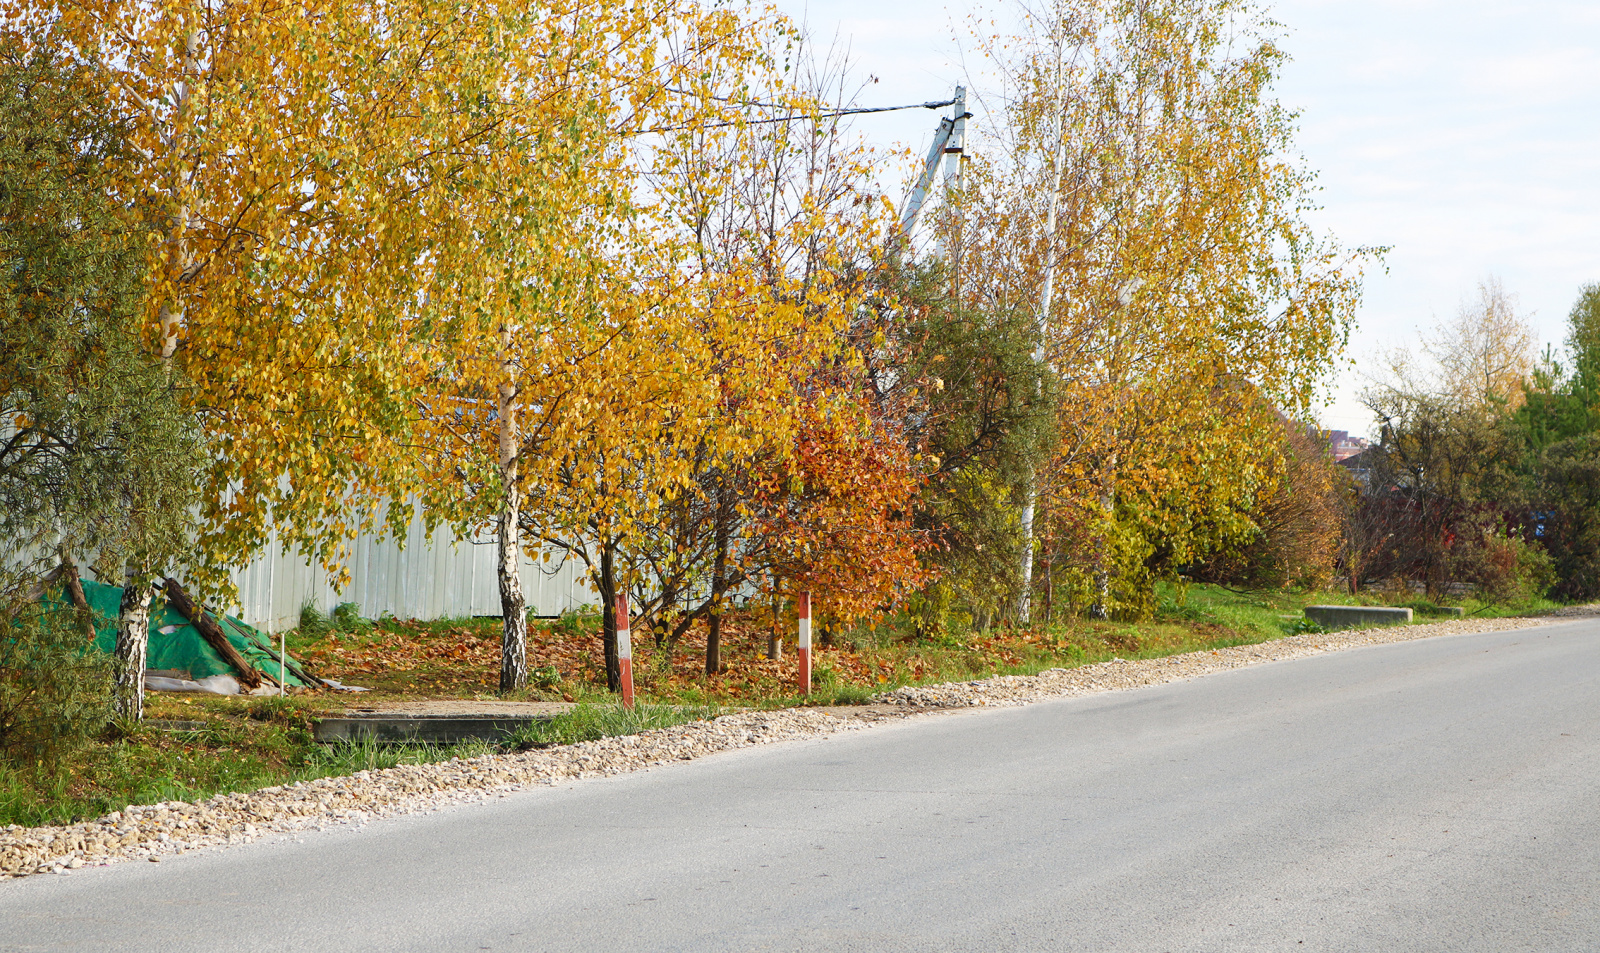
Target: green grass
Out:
[256,743]
[588,722]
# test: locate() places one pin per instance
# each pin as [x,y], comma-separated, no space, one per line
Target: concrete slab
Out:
[416,729]
[1344,617]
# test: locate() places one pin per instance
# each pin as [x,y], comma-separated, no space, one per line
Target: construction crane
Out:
[948,144]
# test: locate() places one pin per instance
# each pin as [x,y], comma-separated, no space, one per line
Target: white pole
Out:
[803,612]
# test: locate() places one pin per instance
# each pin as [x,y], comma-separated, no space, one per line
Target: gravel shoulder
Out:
[149,833]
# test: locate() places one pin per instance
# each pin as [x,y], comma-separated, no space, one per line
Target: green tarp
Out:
[176,645]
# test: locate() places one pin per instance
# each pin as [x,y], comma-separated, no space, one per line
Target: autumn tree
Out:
[1145,135]
[705,493]
[1480,357]
[297,169]
[308,174]
[1448,481]
[581,355]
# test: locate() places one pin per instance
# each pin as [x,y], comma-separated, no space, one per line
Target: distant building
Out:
[1360,466]
[1344,446]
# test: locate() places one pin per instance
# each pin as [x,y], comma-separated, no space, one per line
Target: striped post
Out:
[802,609]
[624,650]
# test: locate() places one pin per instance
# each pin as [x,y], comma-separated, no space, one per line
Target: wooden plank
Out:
[209,630]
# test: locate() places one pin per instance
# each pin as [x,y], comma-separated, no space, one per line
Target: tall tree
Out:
[1481,357]
[1179,252]
[97,458]
[295,167]
[569,352]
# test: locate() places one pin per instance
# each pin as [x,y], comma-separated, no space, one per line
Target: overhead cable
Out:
[802,116]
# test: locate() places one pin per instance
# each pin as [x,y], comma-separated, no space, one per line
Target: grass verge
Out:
[244,744]
[247,744]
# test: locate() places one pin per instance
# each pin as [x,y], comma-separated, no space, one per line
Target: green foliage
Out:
[1559,430]
[98,457]
[54,695]
[978,402]
[1566,494]
[345,618]
[313,622]
[1563,396]
[981,545]
[545,678]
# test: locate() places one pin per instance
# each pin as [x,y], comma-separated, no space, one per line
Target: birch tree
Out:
[565,353]
[1181,259]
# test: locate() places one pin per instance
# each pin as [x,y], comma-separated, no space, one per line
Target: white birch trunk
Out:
[513,606]
[1046,296]
[133,647]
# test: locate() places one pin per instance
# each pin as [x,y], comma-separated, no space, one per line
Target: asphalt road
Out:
[1431,795]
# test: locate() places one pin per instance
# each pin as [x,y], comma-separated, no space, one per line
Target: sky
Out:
[1463,135]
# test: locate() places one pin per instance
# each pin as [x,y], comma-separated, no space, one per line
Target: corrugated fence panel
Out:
[426,579]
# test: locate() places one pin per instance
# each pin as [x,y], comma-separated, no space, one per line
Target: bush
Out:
[1298,518]
[1568,480]
[345,618]
[55,692]
[1506,567]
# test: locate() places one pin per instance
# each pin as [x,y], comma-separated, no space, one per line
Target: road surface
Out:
[1441,794]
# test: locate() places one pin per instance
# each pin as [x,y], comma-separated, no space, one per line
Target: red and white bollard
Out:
[802,609]
[624,650]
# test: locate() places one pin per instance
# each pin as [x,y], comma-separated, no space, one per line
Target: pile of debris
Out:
[195,650]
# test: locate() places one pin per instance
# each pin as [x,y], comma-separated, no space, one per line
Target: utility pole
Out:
[949,145]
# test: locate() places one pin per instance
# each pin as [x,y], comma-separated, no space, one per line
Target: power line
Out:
[800,117]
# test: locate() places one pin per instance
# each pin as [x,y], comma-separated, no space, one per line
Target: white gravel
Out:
[151,832]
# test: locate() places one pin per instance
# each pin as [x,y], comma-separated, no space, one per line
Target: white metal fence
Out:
[438,579]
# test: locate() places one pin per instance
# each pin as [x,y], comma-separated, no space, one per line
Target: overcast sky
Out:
[1466,135]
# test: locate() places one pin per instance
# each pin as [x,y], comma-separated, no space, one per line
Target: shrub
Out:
[55,692]
[345,617]
[1506,567]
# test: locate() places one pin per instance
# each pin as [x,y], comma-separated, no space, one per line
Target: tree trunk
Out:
[774,640]
[133,647]
[513,607]
[607,584]
[1101,609]
[74,586]
[212,633]
[719,569]
[1024,607]
[1049,591]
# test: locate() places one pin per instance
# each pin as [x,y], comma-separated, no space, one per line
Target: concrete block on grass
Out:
[1344,617]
